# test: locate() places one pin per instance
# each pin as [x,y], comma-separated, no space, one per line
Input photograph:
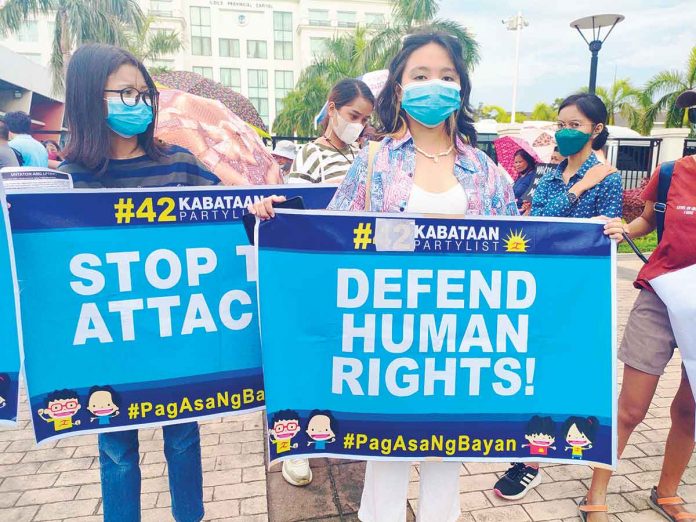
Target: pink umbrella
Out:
[221,140]
[506,148]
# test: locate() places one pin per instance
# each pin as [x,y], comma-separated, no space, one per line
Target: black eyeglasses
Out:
[131,97]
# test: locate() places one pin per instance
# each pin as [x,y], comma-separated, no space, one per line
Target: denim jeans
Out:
[120,473]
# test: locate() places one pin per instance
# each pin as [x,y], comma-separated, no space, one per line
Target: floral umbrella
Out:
[217,137]
[196,84]
[506,148]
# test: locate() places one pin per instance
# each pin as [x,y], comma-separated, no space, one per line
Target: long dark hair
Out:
[393,118]
[526,156]
[593,108]
[90,137]
[344,92]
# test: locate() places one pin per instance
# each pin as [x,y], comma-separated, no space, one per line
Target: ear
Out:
[598,129]
[331,108]
[398,92]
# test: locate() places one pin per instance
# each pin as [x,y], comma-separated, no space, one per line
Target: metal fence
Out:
[635,158]
[689,147]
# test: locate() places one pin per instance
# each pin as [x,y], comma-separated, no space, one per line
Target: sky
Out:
[554,60]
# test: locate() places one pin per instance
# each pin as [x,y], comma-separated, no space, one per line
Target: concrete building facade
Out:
[256,47]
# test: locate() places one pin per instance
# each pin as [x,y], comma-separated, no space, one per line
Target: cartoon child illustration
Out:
[286,424]
[580,432]
[103,403]
[319,429]
[4,389]
[541,435]
[61,407]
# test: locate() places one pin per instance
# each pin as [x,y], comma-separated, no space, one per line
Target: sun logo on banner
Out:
[516,241]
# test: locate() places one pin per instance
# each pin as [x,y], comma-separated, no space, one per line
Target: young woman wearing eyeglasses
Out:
[111,108]
[575,188]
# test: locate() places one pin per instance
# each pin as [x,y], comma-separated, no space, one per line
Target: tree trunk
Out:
[65,42]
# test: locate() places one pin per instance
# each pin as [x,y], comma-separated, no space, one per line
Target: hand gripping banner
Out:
[413,338]
[139,307]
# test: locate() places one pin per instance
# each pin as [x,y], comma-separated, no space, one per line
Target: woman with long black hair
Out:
[426,163]
[111,108]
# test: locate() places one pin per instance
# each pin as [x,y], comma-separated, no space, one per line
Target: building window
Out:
[317,46]
[231,78]
[229,48]
[374,20]
[161,7]
[282,36]
[319,17]
[258,92]
[162,64]
[29,32]
[257,49]
[347,19]
[201,43]
[206,72]
[283,85]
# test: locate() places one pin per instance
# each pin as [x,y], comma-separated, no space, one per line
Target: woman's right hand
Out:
[615,229]
[264,208]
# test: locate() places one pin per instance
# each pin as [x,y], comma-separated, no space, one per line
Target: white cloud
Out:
[554,60]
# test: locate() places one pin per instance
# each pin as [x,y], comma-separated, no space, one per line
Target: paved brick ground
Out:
[60,481]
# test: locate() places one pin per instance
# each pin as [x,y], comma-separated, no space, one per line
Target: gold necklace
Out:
[435,157]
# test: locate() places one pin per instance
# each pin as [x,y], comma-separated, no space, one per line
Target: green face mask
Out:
[571,141]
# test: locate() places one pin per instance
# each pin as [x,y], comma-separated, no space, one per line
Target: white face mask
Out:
[347,132]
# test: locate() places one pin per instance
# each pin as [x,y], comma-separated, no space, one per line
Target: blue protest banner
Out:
[10,336]
[139,307]
[404,337]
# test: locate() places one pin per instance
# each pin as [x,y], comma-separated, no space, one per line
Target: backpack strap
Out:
[18,155]
[660,207]
[372,148]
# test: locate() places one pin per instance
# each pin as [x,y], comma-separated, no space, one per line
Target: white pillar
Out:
[518,30]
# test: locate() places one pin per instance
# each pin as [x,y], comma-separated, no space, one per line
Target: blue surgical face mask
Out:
[431,102]
[128,121]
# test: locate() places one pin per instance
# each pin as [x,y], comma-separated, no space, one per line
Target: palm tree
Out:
[365,50]
[148,44]
[543,112]
[495,112]
[345,57]
[667,85]
[407,17]
[621,98]
[300,106]
[76,22]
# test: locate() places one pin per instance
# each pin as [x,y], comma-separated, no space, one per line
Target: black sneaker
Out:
[517,481]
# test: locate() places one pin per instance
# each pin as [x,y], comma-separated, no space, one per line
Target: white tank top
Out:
[452,201]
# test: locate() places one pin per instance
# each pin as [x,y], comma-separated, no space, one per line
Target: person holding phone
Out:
[427,163]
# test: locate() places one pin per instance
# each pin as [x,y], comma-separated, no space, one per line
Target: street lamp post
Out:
[516,23]
[596,23]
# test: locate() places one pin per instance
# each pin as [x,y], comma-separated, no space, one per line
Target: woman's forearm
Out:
[639,227]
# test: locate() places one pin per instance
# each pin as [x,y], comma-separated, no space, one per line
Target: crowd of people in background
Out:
[421,157]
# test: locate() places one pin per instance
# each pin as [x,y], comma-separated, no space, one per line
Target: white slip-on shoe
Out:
[297,472]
